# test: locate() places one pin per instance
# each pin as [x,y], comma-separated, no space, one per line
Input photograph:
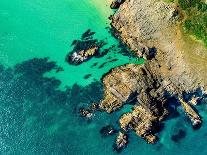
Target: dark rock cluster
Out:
[116,4]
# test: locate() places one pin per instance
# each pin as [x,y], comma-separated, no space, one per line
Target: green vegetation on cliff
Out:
[196,18]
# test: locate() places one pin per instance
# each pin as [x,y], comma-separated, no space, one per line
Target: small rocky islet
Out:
[85,49]
[152,30]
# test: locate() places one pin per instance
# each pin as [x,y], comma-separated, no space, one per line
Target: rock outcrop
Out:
[81,56]
[85,48]
[191,113]
[156,24]
[151,29]
[137,85]
[116,4]
[141,120]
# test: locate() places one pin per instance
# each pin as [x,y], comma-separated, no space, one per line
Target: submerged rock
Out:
[180,135]
[107,130]
[94,107]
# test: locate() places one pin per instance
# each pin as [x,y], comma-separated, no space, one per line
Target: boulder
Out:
[107,130]
[79,57]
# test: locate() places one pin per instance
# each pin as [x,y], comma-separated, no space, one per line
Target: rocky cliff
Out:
[176,64]
[157,24]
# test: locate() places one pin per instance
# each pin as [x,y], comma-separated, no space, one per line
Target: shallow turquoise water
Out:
[38,116]
[47,28]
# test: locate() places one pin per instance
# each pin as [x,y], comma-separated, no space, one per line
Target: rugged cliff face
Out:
[157,24]
[176,64]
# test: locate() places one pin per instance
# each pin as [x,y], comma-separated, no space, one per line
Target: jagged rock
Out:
[85,113]
[94,107]
[120,88]
[116,4]
[140,120]
[107,130]
[192,114]
[194,100]
[152,92]
[81,56]
[151,29]
[152,23]
[135,83]
[121,142]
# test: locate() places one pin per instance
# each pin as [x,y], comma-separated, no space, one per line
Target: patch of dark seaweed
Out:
[177,137]
[87,35]
[172,105]
[25,93]
[102,65]
[113,60]
[94,65]
[87,76]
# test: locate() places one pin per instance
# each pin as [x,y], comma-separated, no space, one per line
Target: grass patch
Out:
[196,18]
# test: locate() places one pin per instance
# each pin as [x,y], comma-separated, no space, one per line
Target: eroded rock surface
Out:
[141,120]
[151,29]
[156,24]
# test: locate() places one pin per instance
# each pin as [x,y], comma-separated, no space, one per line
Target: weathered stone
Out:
[140,120]
[121,142]
[194,117]
[151,29]
[81,56]
[148,24]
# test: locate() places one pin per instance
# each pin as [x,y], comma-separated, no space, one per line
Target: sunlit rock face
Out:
[151,29]
[156,24]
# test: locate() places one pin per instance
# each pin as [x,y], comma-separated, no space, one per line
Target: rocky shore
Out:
[152,30]
[116,4]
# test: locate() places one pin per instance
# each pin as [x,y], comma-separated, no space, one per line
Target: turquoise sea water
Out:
[39,106]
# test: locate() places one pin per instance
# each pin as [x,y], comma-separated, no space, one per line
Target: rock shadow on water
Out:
[152,53]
